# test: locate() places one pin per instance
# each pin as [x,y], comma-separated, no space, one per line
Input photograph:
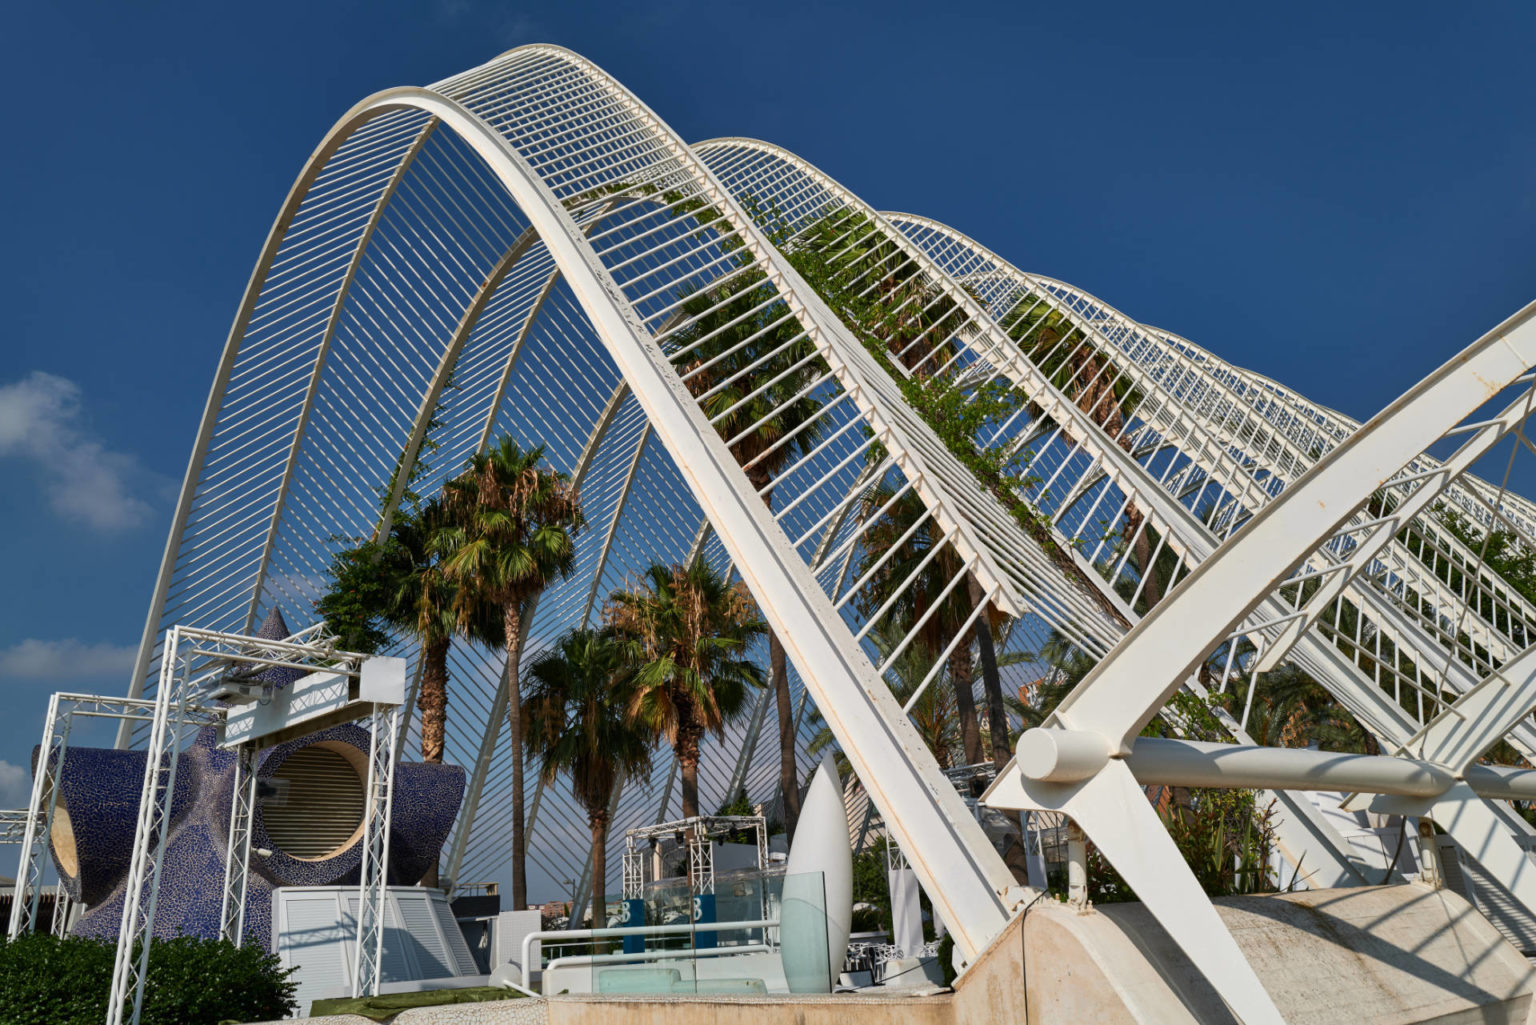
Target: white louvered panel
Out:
[312,939]
[426,942]
[397,964]
[323,806]
[458,946]
[1499,906]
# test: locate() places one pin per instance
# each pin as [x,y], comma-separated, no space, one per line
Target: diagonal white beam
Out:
[1123,693]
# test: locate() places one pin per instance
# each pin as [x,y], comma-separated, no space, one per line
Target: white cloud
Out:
[15,785]
[70,659]
[83,480]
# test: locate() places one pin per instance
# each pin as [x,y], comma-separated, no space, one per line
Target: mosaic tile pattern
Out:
[100,788]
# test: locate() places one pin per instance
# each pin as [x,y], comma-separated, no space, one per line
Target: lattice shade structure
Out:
[525,249]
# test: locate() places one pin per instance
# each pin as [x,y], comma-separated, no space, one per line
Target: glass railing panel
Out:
[756,933]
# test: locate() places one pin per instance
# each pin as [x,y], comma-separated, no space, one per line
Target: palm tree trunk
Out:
[687,750]
[1141,555]
[432,698]
[992,684]
[789,782]
[598,820]
[962,673]
[432,703]
[512,619]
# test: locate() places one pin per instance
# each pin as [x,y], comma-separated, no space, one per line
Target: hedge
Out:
[47,980]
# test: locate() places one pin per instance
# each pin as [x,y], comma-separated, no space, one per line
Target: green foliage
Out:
[1225,838]
[740,804]
[360,591]
[899,324]
[46,980]
[871,886]
[946,955]
[576,720]
[1502,550]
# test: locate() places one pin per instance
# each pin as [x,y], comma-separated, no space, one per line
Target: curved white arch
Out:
[547,146]
[972,898]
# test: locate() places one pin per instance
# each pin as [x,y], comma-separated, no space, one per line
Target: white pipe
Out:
[1196,764]
[1503,782]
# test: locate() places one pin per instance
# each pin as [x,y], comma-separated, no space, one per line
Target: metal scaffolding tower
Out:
[211,678]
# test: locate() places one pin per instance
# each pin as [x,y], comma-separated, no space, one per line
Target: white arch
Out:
[961,872]
[560,138]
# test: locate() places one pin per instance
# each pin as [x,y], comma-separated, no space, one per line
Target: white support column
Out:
[39,824]
[237,855]
[142,890]
[383,754]
[1077,867]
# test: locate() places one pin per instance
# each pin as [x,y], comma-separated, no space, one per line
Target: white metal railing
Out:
[619,932]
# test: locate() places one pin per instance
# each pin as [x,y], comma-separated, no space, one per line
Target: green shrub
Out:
[947,958]
[45,980]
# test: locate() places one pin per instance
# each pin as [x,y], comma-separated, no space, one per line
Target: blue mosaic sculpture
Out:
[98,806]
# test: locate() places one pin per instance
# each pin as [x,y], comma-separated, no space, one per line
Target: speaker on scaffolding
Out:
[309,817]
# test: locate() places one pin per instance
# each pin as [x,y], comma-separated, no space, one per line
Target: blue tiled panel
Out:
[101,790]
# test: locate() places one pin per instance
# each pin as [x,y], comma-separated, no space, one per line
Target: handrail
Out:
[578,960]
[617,932]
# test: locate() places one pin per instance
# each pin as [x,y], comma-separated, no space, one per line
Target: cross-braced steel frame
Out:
[198,665]
[526,248]
[14,824]
[35,823]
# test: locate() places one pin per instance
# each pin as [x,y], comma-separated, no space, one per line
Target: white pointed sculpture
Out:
[817,909]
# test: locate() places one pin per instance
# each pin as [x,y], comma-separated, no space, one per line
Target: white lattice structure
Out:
[525,247]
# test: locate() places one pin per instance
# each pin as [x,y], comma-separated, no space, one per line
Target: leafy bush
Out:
[45,980]
[1225,836]
[869,919]
[870,886]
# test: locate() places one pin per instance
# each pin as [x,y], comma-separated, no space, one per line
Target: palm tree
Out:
[686,630]
[1067,665]
[511,531]
[768,428]
[399,584]
[576,721]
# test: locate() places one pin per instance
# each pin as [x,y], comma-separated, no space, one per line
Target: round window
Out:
[319,813]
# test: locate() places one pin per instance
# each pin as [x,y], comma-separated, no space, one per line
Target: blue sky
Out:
[1340,197]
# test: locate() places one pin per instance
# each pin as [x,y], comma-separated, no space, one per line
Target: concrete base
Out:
[1367,956]
[1395,955]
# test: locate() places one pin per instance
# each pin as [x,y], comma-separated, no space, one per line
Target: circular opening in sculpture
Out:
[319,813]
[62,835]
